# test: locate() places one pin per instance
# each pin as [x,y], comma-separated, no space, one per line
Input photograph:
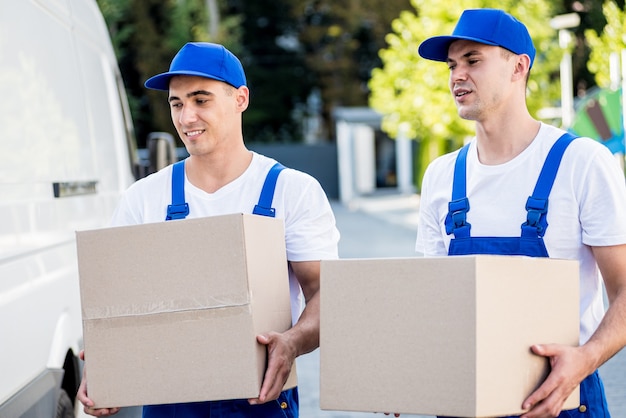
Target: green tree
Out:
[412,93]
[341,41]
[276,73]
[293,47]
[288,47]
[611,40]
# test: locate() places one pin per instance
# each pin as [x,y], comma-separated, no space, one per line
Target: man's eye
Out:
[175,105]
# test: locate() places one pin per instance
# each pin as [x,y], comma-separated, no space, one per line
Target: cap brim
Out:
[162,81]
[436,48]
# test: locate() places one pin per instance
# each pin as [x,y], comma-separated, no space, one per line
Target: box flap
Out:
[129,257]
[175,357]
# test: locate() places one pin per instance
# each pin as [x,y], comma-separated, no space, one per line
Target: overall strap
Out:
[456,219]
[537,204]
[264,207]
[179,209]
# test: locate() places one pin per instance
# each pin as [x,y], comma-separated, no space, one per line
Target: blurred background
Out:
[345,77]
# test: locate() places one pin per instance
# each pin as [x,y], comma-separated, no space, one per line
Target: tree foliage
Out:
[275,69]
[295,47]
[341,41]
[611,40]
[289,48]
[412,93]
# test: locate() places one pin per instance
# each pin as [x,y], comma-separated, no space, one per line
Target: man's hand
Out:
[88,405]
[302,338]
[281,356]
[569,367]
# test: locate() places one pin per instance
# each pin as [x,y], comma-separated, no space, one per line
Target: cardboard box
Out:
[171,310]
[442,336]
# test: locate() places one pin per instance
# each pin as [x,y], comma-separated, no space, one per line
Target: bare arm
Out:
[610,337]
[306,333]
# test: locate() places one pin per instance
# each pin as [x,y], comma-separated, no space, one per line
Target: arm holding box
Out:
[88,404]
[570,365]
[302,338]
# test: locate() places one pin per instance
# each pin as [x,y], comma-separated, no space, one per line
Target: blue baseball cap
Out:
[202,59]
[485,26]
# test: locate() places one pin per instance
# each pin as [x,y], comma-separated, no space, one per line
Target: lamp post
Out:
[623,56]
[562,23]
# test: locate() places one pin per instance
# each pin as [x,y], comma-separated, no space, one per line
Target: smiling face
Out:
[480,78]
[207,113]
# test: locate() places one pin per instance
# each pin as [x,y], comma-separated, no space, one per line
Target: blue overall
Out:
[529,243]
[286,406]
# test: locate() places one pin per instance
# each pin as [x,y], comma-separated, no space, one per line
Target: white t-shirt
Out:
[585,207]
[310,231]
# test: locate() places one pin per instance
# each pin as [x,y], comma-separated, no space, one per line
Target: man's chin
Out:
[466,114]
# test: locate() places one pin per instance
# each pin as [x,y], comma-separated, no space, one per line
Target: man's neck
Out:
[499,141]
[211,172]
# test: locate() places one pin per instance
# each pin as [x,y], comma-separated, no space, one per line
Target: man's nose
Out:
[187,115]
[458,73]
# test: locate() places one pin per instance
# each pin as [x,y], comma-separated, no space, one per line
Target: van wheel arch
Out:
[71,377]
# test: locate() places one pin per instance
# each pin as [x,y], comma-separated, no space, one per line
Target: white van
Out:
[67,151]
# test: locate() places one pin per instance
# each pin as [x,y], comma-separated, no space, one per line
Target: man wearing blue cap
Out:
[207,97]
[476,200]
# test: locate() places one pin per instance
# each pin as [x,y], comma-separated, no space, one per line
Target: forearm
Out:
[610,337]
[305,334]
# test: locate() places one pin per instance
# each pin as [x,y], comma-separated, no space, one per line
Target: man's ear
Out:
[242,97]
[522,67]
